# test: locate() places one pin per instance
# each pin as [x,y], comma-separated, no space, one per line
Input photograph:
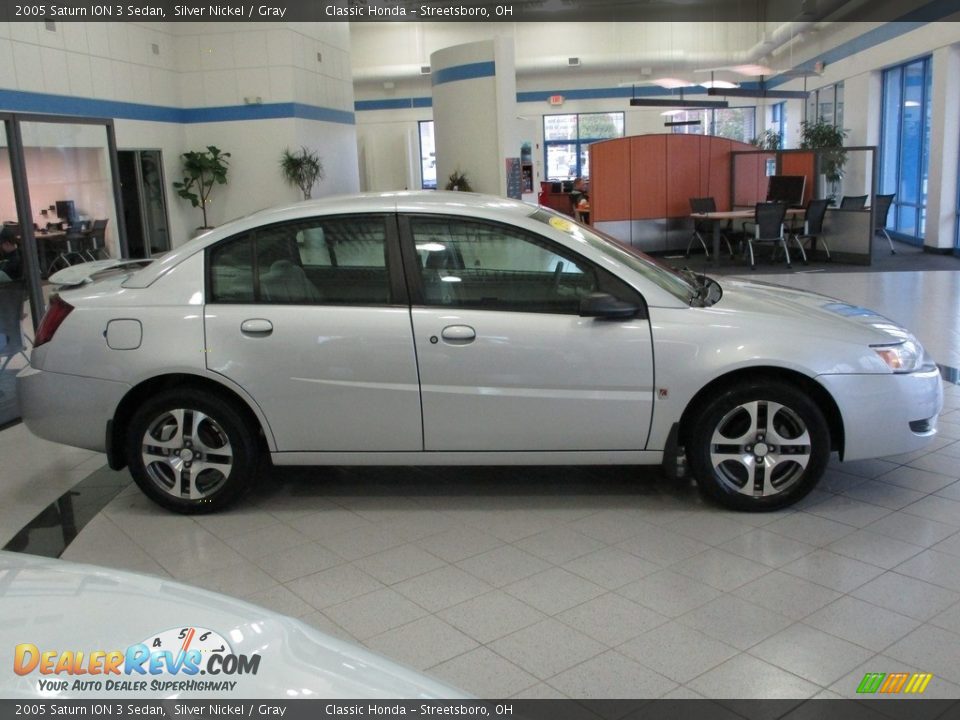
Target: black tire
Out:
[218,439]
[741,413]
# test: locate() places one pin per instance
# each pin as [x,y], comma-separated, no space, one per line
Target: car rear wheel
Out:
[759,446]
[191,451]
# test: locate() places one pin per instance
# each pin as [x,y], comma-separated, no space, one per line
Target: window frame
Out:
[918,208]
[423,183]
[578,142]
[415,279]
[396,283]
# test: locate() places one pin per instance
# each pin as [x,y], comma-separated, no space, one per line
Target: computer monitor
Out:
[787,189]
[66,210]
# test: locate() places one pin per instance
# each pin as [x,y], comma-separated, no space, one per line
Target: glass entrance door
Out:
[144,202]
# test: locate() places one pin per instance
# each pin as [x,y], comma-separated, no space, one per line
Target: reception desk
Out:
[559,201]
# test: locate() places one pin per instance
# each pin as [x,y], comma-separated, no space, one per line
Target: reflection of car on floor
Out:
[83,631]
[453,328]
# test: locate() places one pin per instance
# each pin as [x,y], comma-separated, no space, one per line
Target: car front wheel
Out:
[759,446]
[191,451]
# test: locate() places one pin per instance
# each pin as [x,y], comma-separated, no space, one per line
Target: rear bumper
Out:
[68,409]
[886,414]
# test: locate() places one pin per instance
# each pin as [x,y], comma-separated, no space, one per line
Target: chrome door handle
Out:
[256,326]
[459,334]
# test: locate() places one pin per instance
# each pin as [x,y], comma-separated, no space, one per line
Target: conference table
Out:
[745,214]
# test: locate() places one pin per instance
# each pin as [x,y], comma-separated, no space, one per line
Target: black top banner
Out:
[477,11]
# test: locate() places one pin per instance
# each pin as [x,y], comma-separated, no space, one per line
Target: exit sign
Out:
[555,100]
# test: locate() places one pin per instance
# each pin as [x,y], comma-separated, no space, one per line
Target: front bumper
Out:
[878,411]
[68,409]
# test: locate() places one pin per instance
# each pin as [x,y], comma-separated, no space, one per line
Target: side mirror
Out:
[604,305]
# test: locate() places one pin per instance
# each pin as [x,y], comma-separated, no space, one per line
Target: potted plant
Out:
[828,139]
[769,139]
[202,170]
[301,169]
[458,181]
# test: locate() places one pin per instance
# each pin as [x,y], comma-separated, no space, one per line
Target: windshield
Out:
[650,268]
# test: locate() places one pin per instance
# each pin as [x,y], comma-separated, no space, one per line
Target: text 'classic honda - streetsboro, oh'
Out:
[461,329]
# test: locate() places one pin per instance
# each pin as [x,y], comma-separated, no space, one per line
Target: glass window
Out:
[428,156]
[478,265]
[735,123]
[567,137]
[332,261]
[778,119]
[905,143]
[650,268]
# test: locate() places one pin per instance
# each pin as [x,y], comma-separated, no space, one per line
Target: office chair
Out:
[812,227]
[880,212]
[69,249]
[853,202]
[95,240]
[768,227]
[701,227]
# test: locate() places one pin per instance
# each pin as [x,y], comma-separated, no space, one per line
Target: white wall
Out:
[203,65]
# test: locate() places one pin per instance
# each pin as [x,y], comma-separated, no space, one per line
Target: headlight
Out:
[902,357]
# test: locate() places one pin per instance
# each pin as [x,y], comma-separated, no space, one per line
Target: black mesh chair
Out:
[881,209]
[704,227]
[95,240]
[812,228]
[853,202]
[767,227]
[69,249]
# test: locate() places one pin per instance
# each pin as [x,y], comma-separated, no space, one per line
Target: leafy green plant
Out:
[301,169]
[768,140]
[202,170]
[458,181]
[828,139]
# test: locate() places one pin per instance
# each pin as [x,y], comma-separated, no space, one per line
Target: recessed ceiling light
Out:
[671,113]
[753,70]
[673,83]
[721,84]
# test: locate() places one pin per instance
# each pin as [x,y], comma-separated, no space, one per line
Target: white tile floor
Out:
[584,582]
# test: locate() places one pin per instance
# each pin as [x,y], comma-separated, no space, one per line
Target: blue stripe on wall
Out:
[470,71]
[23,101]
[386,104]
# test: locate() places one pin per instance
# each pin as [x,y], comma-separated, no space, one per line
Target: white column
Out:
[474,112]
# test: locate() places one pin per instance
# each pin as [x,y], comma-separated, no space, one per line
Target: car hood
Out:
[802,311]
[62,606]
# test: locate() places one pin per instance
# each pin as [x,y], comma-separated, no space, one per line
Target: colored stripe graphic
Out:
[871,683]
[918,683]
[894,683]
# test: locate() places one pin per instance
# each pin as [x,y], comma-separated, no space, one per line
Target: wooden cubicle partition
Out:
[640,186]
[799,163]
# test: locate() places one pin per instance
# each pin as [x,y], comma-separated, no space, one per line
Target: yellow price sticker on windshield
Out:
[561,224]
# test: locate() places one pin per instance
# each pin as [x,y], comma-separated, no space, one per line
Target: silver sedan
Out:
[452,328]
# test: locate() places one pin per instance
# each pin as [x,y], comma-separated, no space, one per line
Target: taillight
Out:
[56,313]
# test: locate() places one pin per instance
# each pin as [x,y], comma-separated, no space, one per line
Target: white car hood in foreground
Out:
[791,310]
[65,607]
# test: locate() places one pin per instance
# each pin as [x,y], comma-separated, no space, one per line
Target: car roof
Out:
[475,204]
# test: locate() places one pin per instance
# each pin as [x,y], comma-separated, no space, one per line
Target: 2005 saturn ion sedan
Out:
[452,328]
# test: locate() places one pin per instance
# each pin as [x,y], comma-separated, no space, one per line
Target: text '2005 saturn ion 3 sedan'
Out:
[452,328]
